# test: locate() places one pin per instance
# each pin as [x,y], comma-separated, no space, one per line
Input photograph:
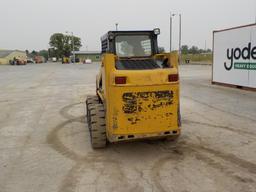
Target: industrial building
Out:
[95,56]
[6,56]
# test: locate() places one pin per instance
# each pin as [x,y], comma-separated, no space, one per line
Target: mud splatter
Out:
[134,101]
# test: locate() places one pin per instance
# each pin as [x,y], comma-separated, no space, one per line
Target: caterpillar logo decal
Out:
[246,53]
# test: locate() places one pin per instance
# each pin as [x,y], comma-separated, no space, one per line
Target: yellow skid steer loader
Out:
[137,90]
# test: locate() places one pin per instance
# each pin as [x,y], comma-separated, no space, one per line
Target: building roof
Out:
[87,52]
[5,53]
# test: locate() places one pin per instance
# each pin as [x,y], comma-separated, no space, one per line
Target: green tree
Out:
[201,51]
[57,42]
[161,49]
[208,51]
[34,53]
[44,53]
[63,44]
[184,49]
[194,50]
[52,52]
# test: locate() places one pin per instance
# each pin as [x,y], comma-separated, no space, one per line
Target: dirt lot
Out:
[45,146]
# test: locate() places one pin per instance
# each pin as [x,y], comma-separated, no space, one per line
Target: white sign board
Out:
[234,56]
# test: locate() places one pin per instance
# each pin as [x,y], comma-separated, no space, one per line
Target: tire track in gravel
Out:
[218,109]
[175,156]
[57,144]
[64,112]
[187,149]
[239,131]
[216,165]
[74,175]
[247,165]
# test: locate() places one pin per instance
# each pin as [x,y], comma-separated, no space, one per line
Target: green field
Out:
[198,58]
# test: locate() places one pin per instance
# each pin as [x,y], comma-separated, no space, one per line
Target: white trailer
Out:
[234,56]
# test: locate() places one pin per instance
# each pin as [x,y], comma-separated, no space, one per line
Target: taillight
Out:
[120,80]
[173,77]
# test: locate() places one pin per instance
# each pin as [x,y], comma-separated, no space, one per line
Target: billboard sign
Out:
[234,56]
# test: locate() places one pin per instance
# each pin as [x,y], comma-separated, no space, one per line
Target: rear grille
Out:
[104,46]
[136,64]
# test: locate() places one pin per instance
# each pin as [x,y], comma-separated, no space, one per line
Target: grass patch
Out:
[198,58]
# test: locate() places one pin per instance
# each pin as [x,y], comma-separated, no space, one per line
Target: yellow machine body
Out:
[65,60]
[146,106]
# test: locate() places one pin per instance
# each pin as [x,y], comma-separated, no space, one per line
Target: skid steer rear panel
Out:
[135,113]
[145,106]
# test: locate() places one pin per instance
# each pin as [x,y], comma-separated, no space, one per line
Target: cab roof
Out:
[127,32]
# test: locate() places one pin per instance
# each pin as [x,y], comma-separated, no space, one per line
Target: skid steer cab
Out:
[137,90]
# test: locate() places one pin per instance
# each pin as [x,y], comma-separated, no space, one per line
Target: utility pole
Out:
[180,40]
[73,45]
[48,54]
[172,15]
[116,26]
[170,32]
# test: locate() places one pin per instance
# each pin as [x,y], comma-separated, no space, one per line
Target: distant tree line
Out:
[185,49]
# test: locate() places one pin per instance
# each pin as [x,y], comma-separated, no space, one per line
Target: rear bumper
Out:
[119,138]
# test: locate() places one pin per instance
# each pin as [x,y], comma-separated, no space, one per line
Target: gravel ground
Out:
[45,146]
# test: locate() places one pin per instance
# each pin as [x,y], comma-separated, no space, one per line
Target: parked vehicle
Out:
[65,60]
[39,59]
[54,59]
[87,61]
